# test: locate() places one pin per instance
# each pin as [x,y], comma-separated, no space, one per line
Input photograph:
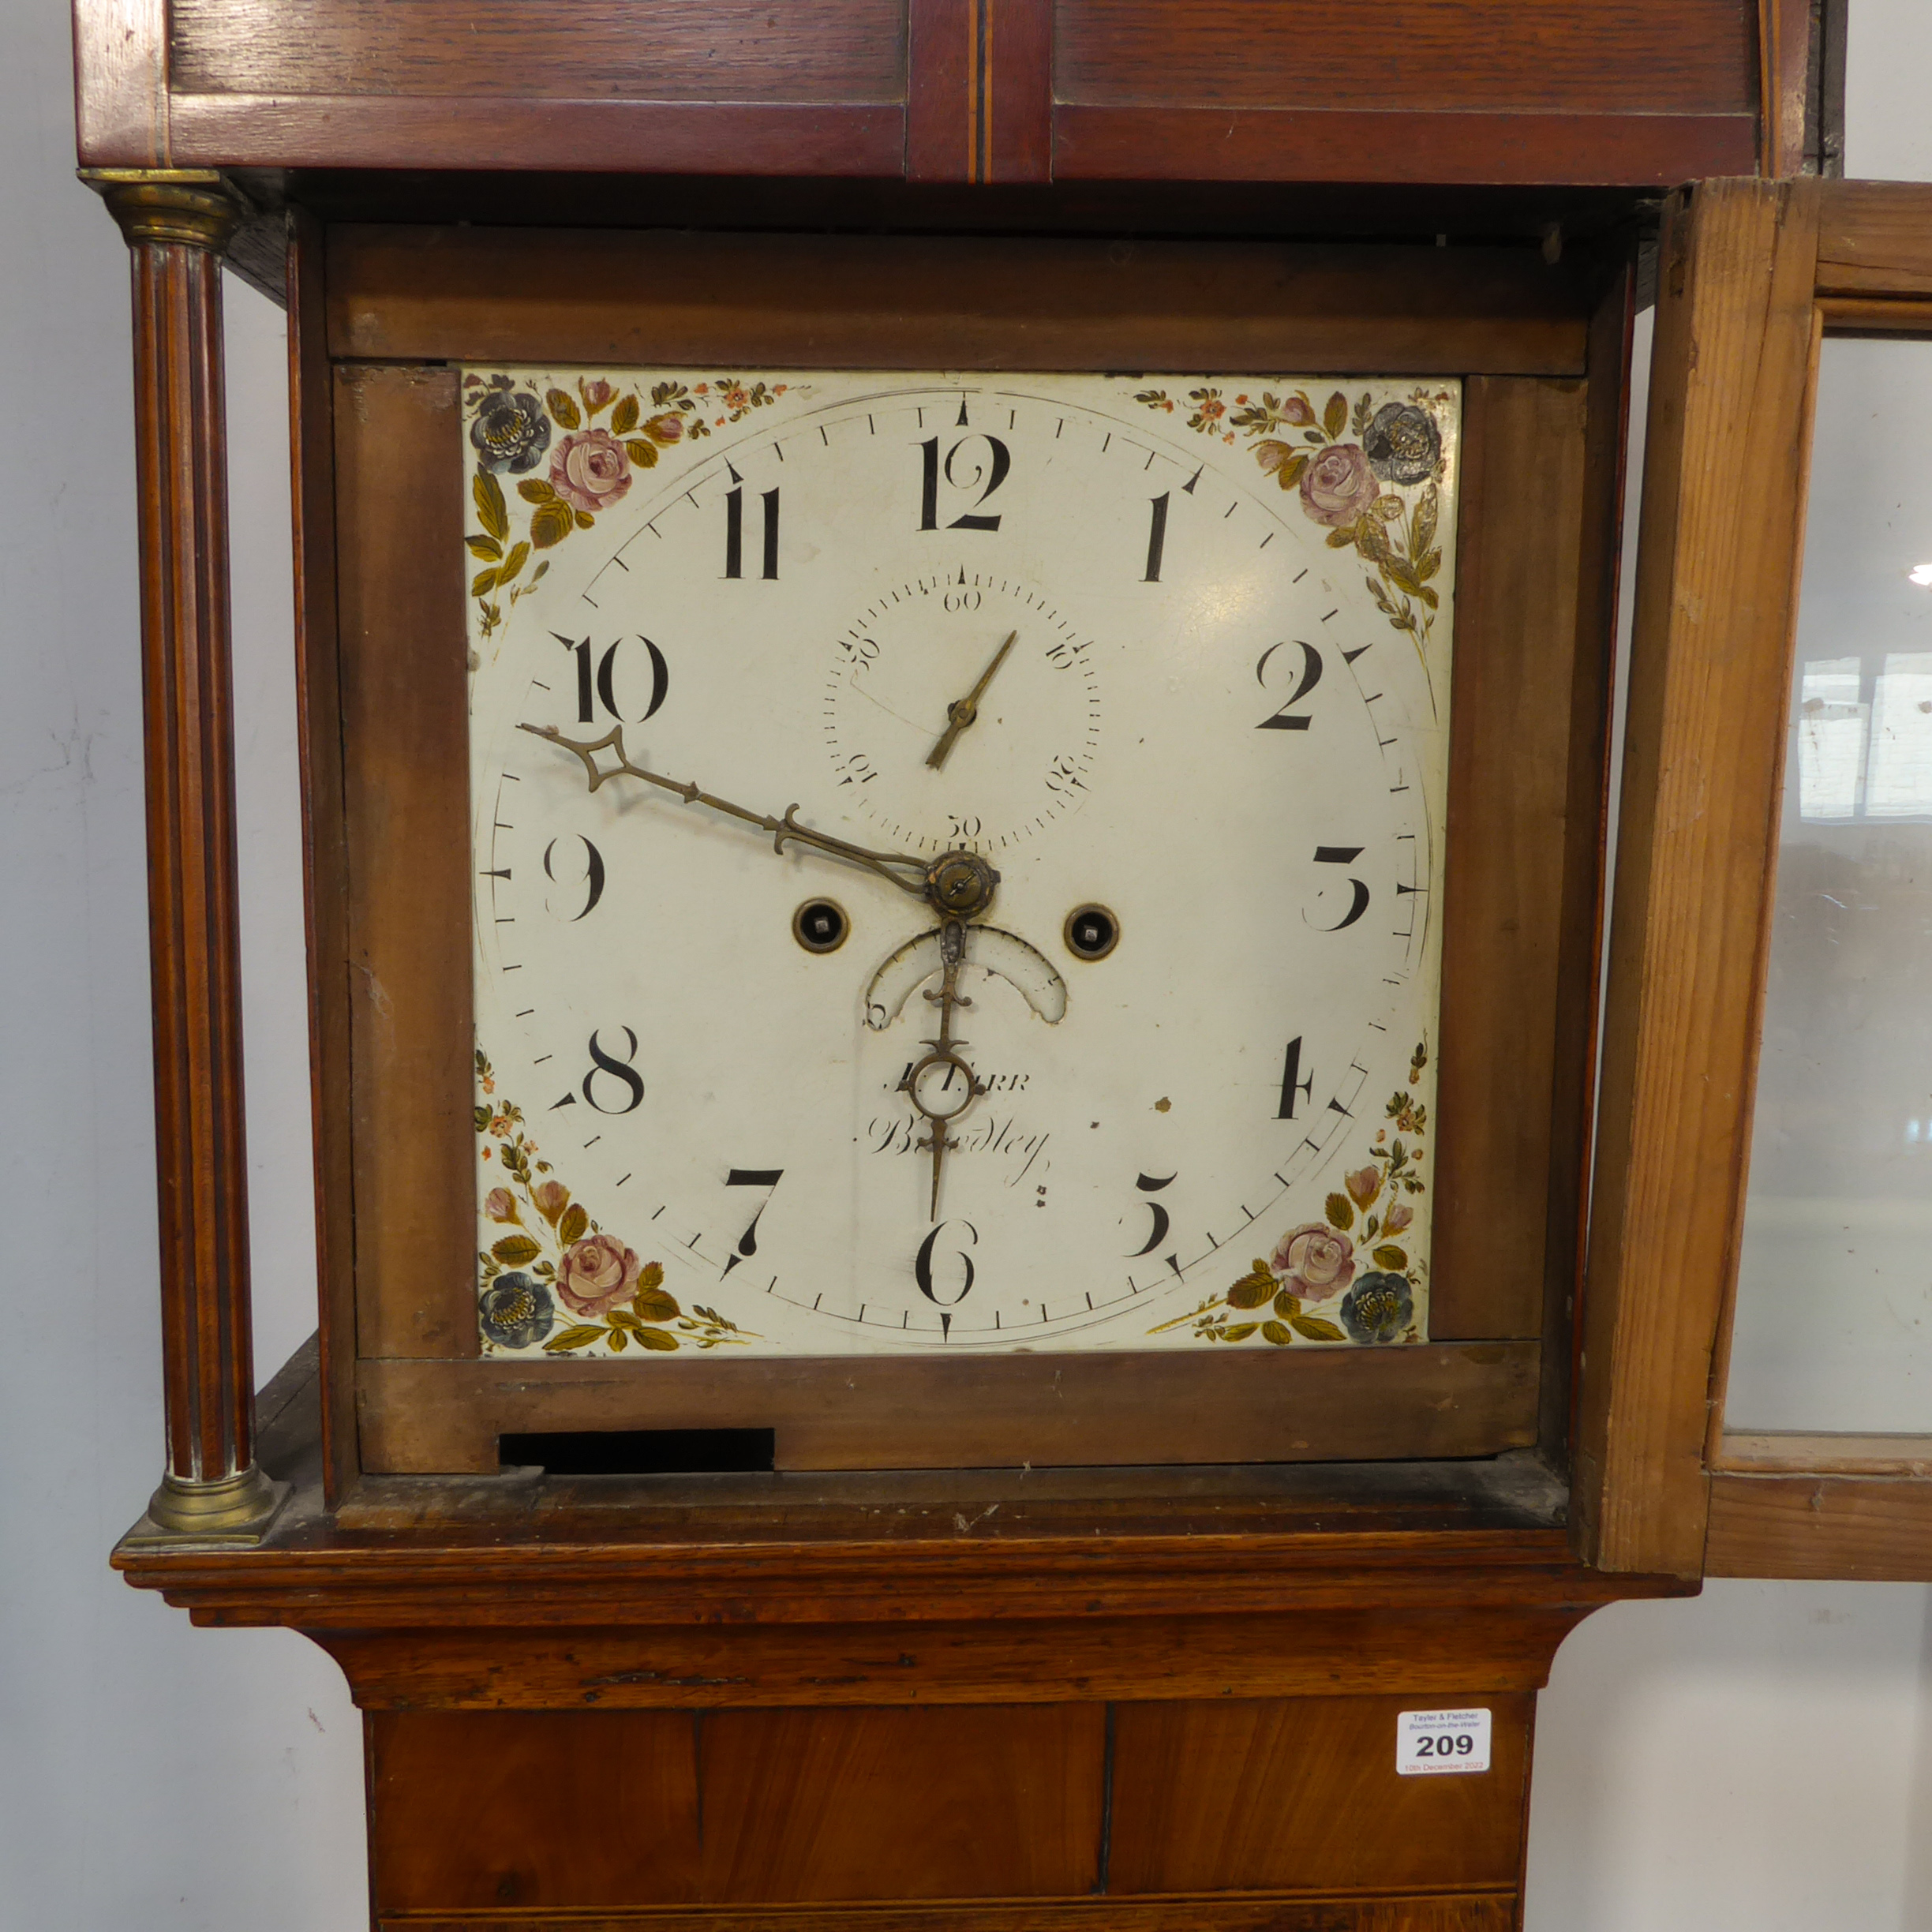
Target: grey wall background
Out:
[1760,1756]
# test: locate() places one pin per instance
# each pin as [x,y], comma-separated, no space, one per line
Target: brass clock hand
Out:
[957,885]
[934,882]
[963,712]
[945,1054]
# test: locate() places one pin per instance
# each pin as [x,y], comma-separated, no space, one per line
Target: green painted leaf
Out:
[617,1339]
[1276,1332]
[514,1250]
[535,490]
[655,1305]
[1334,418]
[487,548]
[1340,1210]
[624,416]
[566,1339]
[641,452]
[482,582]
[574,1225]
[1316,1330]
[551,524]
[1255,1289]
[656,1338]
[1389,1255]
[564,407]
[1422,532]
[492,511]
[1240,1332]
[1286,1305]
[513,562]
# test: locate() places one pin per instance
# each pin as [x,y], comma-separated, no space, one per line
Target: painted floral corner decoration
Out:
[590,464]
[554,1253]
[1348,1277]
[1371,476]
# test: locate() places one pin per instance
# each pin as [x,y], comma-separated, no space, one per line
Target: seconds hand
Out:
[961,713]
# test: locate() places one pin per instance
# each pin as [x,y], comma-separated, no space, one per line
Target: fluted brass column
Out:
[177,223]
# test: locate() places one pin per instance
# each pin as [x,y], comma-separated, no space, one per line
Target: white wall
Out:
[1758,1757]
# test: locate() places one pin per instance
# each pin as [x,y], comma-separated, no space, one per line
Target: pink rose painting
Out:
[590,470]
[665,428]
[1315,1262]
[1336,488]
[596,1274]
[500,1205]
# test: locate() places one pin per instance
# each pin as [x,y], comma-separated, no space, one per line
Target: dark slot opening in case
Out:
[639,1452]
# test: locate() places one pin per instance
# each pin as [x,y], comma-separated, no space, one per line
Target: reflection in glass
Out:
[1834,1314]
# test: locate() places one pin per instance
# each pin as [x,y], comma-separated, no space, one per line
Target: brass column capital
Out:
[193,206]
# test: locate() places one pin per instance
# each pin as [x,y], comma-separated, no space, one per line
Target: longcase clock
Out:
[955,831]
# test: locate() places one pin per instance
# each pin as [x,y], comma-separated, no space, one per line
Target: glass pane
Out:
[1834,1317]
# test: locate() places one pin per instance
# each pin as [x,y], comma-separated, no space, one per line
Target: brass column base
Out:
[235,1512]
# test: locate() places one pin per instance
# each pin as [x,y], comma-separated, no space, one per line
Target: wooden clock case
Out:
[905,1680]
[1050,1594]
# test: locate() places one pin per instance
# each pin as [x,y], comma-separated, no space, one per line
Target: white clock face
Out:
[1169,657]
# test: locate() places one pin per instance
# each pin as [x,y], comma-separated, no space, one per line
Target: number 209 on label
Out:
[1434,1744]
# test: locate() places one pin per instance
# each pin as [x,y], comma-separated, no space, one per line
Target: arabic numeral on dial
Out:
[596,679]
[1358,888]
[613,1086]
[734,532]
[1150,1184]
[962,825]
[946,1276]
[857,769]
[767,1177]
[1292,1081]
[1063,776]
[1310,677]
[593,878]
[962,473]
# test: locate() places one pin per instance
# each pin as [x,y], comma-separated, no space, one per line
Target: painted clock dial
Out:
[956,858]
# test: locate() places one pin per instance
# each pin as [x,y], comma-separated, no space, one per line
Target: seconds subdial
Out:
[1020,754]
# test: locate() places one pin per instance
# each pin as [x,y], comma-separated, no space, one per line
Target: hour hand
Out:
[963,711]
[909,873]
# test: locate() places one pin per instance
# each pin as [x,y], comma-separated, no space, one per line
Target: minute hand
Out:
[963,712]
[900,869]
